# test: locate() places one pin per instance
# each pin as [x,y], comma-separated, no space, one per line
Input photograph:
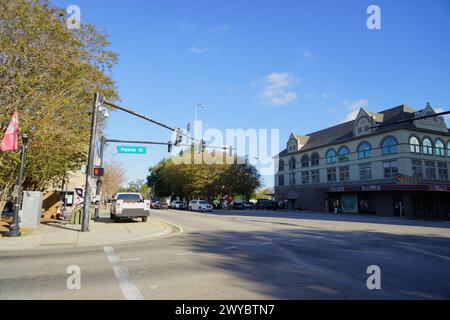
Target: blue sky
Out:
[289,65]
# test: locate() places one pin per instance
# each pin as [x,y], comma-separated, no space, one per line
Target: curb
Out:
[169,230]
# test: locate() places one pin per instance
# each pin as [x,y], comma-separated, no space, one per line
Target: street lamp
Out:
[14,230]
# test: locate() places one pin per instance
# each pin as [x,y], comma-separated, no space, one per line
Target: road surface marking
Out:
[229,248]
[266,243]
[132,259]
[129,290]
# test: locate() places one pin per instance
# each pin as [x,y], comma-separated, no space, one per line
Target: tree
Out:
[204,180]
[48,74]
[113,179]
[263,193]
[139,186]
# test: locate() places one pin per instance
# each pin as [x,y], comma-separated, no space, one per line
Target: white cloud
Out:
[199,50]
[218,29]
[277,89]
[306,54]
[354,108]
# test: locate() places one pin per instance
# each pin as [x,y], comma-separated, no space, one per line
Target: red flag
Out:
[10,141]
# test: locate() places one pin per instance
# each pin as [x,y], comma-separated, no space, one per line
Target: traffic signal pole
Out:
[91,156]
[98,190]
[90,165]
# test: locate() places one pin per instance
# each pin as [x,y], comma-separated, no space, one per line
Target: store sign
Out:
[370,188]
[337,189]
[409,180]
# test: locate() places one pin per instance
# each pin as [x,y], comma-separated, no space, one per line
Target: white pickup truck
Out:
[129,205]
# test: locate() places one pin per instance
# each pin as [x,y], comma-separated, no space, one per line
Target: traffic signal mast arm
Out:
[179,132]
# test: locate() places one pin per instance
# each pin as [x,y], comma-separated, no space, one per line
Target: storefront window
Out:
[365,171]
[305,177]
[430,169]
[417,170]
[315,176]
[390,169]
[344,173]
[331,175]
[442,171]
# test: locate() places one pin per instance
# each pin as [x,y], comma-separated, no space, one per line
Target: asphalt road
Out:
[247,255]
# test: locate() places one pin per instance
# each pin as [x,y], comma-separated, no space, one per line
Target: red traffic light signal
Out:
[98,172]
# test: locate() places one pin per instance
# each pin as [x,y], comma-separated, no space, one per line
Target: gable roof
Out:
[344,132]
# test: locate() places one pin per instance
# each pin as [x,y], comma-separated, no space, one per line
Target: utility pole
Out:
[14,230]
[90,165]
[99,179]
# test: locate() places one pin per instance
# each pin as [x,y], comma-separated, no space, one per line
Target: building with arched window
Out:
[365,166]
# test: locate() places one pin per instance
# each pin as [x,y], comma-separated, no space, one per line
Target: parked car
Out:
[249,205]
[177,205]
[200,205]
[129,205]
[265,204]
[238,206]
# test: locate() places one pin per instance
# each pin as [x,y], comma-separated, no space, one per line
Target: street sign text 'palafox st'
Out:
[132,150]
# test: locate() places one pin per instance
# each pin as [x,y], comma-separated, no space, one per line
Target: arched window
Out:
[414,145]
[331,156]
[315,159]
[344,154]
[281,165]
[440,149]
[389,146]
[292,164]
[364,150]
[427,146]
[305,161]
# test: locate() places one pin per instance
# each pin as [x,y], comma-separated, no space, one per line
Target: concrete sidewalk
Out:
[57,234]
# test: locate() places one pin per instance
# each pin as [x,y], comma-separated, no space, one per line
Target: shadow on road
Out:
[307,264]
[304,215]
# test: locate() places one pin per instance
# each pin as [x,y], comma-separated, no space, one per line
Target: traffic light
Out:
[169,147]
[203,146]
[99,172]
[179,137]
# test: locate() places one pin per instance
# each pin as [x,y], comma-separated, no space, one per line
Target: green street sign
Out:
[131,150]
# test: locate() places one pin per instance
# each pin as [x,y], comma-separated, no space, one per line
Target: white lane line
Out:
[184,253]
[132,259]
[266,243]
[229,248]
[129,290]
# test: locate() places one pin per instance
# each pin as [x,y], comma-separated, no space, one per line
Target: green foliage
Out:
[203,180]
[49,75]
[139,186]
